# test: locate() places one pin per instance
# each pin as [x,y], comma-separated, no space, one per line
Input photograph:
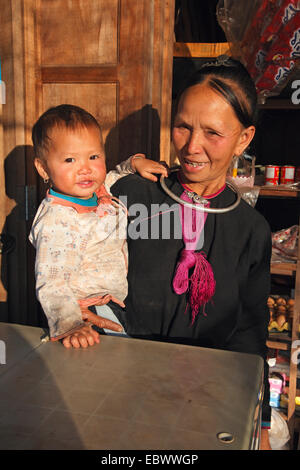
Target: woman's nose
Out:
[195,143]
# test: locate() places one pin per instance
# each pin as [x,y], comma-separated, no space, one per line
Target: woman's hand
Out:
[82,338]
[86,336]
[148,168]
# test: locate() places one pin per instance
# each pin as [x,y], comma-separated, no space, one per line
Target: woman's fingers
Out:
[101,322]
[86,336]
[93,337]
[82,338]
[75,341]
[66,342]
[105,299]
[117,301]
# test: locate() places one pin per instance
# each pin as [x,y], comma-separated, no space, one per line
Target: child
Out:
[79,231]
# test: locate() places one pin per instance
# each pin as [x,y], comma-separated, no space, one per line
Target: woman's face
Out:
[206,135]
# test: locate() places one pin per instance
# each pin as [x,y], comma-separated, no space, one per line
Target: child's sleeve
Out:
[122,169]
[59,245]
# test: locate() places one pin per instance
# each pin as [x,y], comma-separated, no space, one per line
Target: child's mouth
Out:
[85,184]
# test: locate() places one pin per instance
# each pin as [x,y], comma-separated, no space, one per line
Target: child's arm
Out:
[57,241]
[60,239]
[136,163]
[148,168]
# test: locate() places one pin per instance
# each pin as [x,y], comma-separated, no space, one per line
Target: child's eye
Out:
[70,160]
[94,157]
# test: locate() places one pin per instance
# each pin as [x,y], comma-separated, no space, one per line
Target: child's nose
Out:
[84,168]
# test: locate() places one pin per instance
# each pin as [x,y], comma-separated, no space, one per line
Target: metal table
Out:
[125,394]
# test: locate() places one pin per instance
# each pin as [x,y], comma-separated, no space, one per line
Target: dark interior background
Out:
[277,139]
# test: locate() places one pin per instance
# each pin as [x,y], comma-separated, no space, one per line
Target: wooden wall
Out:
[13,157]
[112,58]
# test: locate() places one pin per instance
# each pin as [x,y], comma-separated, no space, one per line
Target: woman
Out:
[215,121]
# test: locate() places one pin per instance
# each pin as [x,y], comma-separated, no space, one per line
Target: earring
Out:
[46,180]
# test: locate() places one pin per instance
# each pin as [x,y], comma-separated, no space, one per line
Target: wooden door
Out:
[113,58]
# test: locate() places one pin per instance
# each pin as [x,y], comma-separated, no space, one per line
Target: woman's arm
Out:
[252,326]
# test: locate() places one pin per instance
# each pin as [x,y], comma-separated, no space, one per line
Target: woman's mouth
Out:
[194,166]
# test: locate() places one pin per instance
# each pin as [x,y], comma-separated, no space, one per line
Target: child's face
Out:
[75,162]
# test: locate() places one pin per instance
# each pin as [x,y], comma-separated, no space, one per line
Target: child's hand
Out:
[148,168]
[86,336]
[82,338]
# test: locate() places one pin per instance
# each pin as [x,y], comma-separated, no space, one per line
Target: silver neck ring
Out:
[200,201]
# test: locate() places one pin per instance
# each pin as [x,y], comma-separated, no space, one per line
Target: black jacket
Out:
[237,245]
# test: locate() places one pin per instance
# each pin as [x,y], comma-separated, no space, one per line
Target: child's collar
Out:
[91,202]
[102,198]
[69,201]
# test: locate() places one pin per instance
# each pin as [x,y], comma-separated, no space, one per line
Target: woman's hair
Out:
[64,115]
[229,78]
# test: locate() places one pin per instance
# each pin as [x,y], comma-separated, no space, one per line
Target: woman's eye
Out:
[211,132]
[183,127]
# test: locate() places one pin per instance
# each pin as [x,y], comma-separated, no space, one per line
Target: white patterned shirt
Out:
[79,255]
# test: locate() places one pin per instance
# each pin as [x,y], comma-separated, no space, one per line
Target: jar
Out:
[272,175]
[287,174]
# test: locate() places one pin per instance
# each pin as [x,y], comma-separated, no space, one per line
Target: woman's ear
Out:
[246,136]
[40,167]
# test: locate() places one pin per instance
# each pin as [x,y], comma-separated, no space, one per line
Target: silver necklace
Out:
[200,200]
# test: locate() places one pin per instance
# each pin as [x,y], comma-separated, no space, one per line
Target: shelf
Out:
[271,344]
[278,103]
[280,336]
[281,346]
[195,49]
[278,191]
[286,269]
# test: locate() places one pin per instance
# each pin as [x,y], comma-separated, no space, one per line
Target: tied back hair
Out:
[230,79]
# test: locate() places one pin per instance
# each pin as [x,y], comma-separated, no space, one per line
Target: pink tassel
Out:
[202,287]
[181,278]
[203,284]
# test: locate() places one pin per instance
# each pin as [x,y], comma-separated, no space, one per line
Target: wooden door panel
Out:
[113,58]
[93,42]
[79,32]
[99,99]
